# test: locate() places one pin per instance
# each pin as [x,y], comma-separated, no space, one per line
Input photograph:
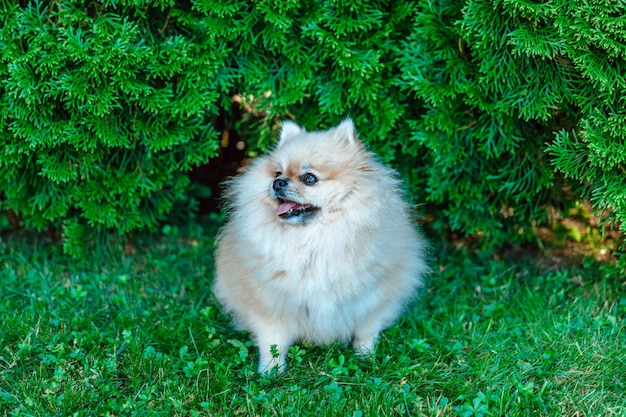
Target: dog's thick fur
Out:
[319,245]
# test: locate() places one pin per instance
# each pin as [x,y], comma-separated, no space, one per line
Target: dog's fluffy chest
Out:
[322,301]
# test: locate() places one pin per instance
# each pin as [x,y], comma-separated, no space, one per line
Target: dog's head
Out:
[312,174]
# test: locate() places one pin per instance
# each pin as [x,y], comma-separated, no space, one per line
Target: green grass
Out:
[140,334]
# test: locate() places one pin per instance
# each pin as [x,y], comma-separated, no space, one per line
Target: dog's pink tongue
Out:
[285,207]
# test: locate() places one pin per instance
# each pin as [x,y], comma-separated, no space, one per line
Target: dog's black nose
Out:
[279,184]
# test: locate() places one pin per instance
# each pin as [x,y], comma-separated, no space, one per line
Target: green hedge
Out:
[105,109]
[512,89]
[108,105]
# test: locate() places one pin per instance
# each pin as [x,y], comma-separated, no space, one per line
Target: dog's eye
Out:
[277,174]
[308,179]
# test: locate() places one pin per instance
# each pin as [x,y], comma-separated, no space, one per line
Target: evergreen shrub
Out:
[105,106]
[108,105]
[513,88]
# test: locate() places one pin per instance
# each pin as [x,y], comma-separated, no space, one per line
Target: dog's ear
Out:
[288,131]
[346,132]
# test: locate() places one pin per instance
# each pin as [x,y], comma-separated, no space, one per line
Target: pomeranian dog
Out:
[319,245]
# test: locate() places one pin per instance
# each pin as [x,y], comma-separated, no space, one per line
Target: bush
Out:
[106,109]
[110,104]
[505,81]
[594,153]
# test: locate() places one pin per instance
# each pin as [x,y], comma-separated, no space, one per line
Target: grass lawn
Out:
[138,332]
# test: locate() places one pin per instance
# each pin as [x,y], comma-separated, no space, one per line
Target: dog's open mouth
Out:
[290,209]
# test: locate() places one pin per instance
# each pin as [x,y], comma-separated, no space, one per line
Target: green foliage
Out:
[489,112]
[464,100]
[105,108]
[107,105]
[501,82]
[317,62]
[594,153]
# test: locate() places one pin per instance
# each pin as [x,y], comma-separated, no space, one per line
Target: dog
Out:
[319,245]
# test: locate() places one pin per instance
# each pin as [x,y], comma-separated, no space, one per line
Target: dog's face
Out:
[289,189]
[310,174]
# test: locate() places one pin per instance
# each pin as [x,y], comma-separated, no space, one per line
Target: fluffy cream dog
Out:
[319,245]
